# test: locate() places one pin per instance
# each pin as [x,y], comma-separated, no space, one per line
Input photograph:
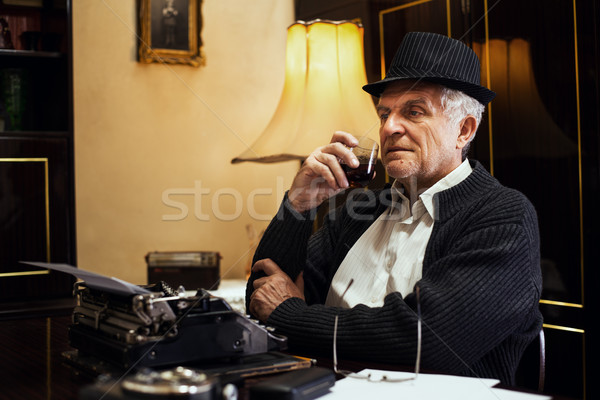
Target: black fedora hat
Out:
[435,58]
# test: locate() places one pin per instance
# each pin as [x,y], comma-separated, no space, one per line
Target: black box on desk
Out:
[192,269]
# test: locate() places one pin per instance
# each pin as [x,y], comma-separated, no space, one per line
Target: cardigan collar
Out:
[475,186]
[478,183]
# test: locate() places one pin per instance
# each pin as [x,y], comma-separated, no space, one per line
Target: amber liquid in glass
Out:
[360,176]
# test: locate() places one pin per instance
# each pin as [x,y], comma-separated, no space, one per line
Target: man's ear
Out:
[468,127]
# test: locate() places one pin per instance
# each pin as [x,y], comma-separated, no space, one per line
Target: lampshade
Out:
[322,93]
[526,128]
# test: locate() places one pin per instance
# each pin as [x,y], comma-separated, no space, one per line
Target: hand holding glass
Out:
[366,152]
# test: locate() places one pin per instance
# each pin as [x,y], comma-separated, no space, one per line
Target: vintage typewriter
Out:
[152,341]
[160,326]
[132,327]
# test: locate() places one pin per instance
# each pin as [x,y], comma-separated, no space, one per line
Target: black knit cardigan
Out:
[479,291]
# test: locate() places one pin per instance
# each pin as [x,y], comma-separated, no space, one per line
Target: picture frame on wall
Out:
[170,32]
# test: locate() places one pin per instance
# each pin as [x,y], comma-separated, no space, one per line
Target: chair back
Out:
[531,373]
[542,365]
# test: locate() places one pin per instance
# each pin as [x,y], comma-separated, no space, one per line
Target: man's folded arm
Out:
[468,307]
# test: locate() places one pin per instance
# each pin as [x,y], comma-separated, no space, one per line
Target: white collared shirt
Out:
[388,257]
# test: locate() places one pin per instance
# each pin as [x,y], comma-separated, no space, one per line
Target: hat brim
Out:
[479,93]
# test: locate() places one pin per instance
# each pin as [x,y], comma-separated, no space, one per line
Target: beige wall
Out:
[147,137]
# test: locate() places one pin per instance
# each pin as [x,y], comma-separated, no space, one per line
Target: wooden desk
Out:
[32,367]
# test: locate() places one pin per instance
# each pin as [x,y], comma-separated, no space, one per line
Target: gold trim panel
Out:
[563,328]
[381,37]
[561,303]
[486,23]
[23,273]
[400,7]
[448,18]
[578,103]
[578,146]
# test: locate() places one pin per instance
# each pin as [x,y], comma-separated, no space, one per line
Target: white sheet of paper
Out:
[94,280]
[425,387]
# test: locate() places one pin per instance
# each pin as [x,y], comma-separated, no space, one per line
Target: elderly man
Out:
[445,225]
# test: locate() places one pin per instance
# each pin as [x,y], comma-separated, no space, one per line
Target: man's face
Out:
[417,141]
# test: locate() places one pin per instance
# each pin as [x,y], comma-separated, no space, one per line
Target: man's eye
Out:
[415,113]
[383,116]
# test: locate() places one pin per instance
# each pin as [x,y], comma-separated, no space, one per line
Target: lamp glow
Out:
[322,93]
[526,127]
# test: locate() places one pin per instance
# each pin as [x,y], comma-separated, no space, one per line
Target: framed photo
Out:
[170,32]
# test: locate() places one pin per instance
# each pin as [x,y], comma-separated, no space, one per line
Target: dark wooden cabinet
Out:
[36,157]
[540,135]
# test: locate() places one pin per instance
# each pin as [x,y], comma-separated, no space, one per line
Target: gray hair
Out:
[456,106]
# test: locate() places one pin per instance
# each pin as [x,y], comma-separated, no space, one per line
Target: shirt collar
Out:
[459,174]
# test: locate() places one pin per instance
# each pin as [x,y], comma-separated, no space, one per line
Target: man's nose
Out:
[394,124]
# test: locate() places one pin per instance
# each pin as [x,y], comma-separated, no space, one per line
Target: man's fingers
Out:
[266,265]
[325,162]
[321,175]
[270,292]
[344,137]
[341,151]
[328,167]
[259,282]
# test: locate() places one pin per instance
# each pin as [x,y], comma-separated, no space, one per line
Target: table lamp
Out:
[322,93]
